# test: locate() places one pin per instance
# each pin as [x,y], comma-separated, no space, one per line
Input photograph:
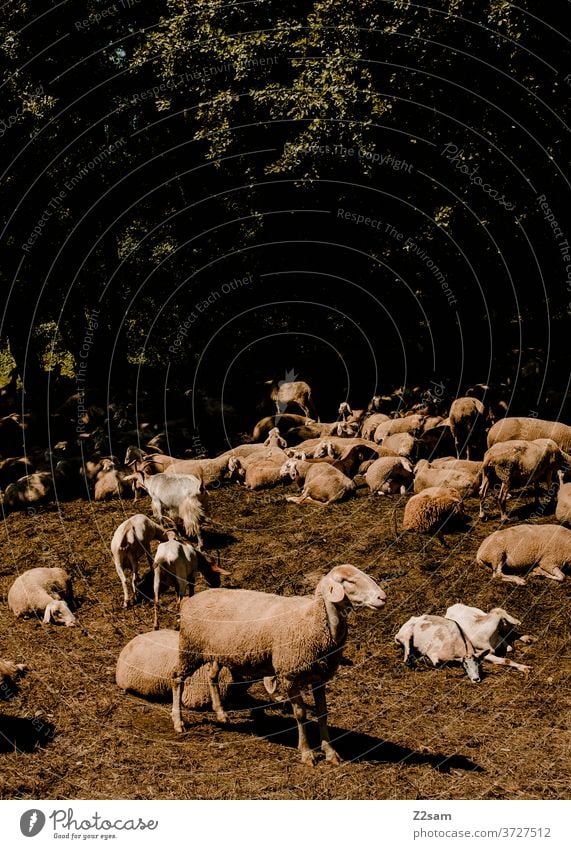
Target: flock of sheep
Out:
[230,637]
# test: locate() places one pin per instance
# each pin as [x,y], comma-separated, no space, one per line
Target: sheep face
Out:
[358,588]
[59,613]
[472,669]
[289,470]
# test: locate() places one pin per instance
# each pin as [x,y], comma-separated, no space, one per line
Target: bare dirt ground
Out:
[402,734]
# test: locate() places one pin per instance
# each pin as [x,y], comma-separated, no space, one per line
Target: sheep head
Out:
[348,586]
[58,612]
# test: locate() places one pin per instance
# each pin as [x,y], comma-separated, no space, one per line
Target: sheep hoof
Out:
[222,716]
[332,757]
[179,727]
[308,758]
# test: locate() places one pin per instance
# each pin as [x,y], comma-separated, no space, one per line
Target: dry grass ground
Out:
[402,734]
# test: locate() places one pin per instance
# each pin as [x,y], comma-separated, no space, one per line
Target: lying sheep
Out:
[543,549]
[283,422]
[389,475]
[9,675]
[520,427]
[490,632]
[465,482]
[130,542]
[466,419]
[441,641]
[518,463]
[402,444]
[178,563]
[323,484]
[43,592]
[274,440]
[563,508]
[371,424]
[210,472]
[259,473]
[13,468]
[408,424]
[430,510]
[292,641]
[36,488]
[111,483]
[146,666]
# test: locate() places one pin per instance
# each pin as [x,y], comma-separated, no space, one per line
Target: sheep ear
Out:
[335,592]
[216,568]
[47,614]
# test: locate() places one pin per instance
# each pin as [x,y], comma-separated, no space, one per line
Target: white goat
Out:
[180,496]
[178,564]
[489,632]
[130,542]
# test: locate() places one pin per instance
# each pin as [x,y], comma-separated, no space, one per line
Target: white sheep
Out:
[430,510]
[441,641]
[389,475]
[543,549]
[323,484]
[296,392]
[178,564]
[464,481]
[490,632]
[146,666]
[292,641]
[130,542]
[274,440]
[563,508]
[520,427]
[9,674]
[180,496]
[43,592]
[401,444]
[466,419]
[517,463]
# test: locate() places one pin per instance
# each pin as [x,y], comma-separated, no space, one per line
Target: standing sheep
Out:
[43,592]
[520,427]
[180,496]
[297,392]
[295,641]
[518,463]
[563,508]
[466,419]
[543,549]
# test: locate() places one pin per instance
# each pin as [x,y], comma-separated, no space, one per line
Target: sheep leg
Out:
[502,498]
[213,673]
[156,591]
[483,493]
[499,573]
[549,571]
[123,580]
[331,755]
[134,574]
[299,712]
[177,687]
[504,661]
